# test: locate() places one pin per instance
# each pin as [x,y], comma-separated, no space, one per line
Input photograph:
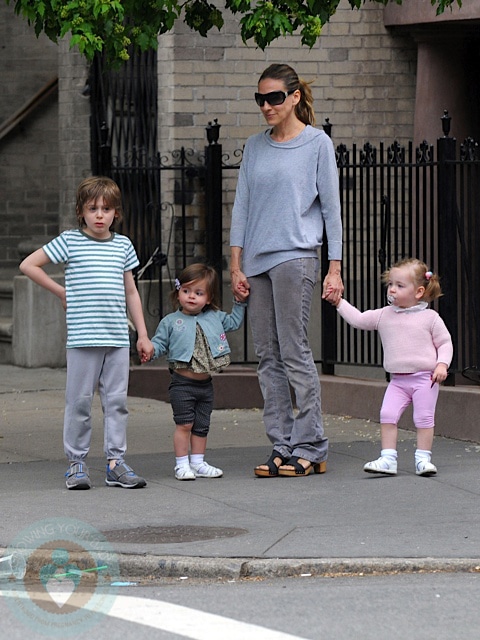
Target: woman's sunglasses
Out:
[274,98]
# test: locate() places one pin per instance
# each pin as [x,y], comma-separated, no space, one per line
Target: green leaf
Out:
[108,25]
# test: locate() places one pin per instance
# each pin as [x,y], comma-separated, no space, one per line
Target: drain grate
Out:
[169,535]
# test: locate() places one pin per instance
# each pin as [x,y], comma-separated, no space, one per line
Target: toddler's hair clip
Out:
[177,284]
[428,275]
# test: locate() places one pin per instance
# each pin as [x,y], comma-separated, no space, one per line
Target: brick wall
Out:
[29,153]
[73,130]
[363,80]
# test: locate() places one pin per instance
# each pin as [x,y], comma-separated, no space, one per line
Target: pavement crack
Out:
[285,535]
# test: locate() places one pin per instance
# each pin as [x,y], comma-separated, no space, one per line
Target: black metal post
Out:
[213,200]
[447,236]
[329,314]
[105,164]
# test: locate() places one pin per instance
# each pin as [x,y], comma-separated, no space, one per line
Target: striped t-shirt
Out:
[95,289]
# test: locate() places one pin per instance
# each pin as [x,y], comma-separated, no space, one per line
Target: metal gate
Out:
[397,202]
[158,190]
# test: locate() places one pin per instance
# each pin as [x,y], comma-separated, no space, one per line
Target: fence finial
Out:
[213,132]
[446,119]
[327,127]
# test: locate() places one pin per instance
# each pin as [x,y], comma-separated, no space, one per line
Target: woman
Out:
[287,193]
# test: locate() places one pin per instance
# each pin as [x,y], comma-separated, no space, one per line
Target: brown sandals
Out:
[299,469]
[272,471]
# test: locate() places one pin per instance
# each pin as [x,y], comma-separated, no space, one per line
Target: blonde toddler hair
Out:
[421,276]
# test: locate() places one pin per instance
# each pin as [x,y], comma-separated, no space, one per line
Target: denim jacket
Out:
[175,335]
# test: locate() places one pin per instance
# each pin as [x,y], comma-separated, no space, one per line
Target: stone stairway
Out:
[6,319]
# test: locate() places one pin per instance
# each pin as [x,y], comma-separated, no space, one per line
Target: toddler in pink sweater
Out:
[417,353]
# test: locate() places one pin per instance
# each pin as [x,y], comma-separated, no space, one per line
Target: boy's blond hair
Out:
[98,187]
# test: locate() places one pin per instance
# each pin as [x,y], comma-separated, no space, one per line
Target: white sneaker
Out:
[382,465]
[205,470]
[425,468]
[184,472]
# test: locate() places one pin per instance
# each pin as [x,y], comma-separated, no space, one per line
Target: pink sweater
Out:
[412,340]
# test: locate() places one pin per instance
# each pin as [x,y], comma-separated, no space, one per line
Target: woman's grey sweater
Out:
[286,194]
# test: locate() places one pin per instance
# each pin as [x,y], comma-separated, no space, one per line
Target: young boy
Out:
[99,287]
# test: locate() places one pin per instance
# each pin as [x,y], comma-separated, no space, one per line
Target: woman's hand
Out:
[333,284]
[240,286]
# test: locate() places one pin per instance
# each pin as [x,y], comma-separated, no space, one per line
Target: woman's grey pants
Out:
[87,368]
[279,309]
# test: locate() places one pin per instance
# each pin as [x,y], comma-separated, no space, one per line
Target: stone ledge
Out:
[237,388]
[6,329]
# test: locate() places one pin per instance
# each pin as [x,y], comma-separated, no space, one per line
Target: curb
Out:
[155,567]
[152,567]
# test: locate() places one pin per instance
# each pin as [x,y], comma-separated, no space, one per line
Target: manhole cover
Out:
[168,535]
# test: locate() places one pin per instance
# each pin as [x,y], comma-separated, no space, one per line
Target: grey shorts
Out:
[192,402]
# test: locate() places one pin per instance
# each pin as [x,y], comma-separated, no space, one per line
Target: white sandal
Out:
[205,470]
[382,465]
[184,472]
[425,468]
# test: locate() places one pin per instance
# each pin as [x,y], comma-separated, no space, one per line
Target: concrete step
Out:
[6,297]
[6,332]
[237,388]
[6,315]
[6,329]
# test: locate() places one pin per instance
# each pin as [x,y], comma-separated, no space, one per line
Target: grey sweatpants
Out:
[87,368]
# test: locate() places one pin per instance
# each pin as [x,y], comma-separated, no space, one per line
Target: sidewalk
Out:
[239,525]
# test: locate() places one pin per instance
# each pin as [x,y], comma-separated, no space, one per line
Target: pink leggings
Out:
[407,388]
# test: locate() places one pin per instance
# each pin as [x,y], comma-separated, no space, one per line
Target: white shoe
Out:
[205,470]
[425,468]
[184,472]
[382,465]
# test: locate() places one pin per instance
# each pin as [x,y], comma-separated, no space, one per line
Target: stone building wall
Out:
[29,152]
[73,131]
[363,80]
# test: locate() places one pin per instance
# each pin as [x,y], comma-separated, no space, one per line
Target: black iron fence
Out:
[400,201]
[162,192]
[396,200]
